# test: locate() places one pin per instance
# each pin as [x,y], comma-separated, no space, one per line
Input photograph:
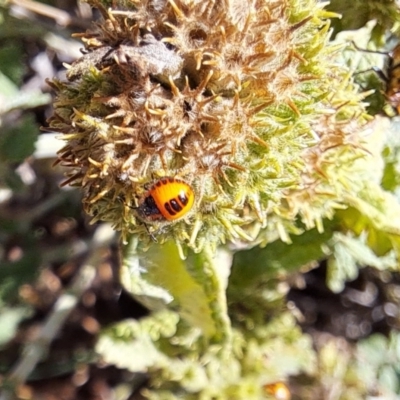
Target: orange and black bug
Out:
[168,199]
[279,390]
[391,75]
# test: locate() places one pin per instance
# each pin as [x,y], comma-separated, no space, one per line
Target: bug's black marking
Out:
[169,208]
[175,205]
[183,198]
[149,206]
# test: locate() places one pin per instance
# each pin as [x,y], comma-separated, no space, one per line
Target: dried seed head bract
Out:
[225,96]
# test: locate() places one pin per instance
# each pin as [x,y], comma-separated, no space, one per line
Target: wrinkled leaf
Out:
[350,253]
[378,363]
[378,216]
[179,365]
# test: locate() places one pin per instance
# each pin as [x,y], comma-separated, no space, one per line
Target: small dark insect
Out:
[391,75]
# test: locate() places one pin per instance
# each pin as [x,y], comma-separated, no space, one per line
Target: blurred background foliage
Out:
[320,313]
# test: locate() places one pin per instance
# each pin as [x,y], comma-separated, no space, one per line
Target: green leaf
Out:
[26,100]
[391,156]
[130,344]
[11,178]
[388,378]
[251,266]
[348,253]
[9,320]
[18,142]
[8,89]
[11,61]
[177,362]
[379,217]
[15,274]
[377,361]
[161,273]
[373,351]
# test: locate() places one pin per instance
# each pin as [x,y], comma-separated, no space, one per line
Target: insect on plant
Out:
[390,76]
[167,200]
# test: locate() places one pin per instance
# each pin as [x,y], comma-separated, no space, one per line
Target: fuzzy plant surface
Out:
[246,106]
[238,99]
[182,366]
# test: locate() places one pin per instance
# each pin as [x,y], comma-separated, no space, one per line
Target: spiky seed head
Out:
[223,95]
